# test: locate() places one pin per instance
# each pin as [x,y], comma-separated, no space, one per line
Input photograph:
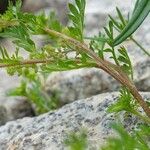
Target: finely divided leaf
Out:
[77,17]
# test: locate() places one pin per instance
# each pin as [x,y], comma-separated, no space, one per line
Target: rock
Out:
[2,115]
[5,81]
[97,12]
[31,6]
[59,6]
[83,83]
[12,108]
[142,74]
[78,84]
[95,16]
[48,131]
[4,5]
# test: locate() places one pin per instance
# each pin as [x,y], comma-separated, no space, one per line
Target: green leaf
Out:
[111,28]
[77,17]
[125,61]
[73,9]
[115,22]
[125,102]
[53,22]
[136,5]
[138,17]
[126,141]
[77,141]
[121,16]
[20,37]
[98,45]
[108,32]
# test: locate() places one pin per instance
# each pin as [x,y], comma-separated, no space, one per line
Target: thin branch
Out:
[140,46]
[44,61]
[113,70]
[24,62]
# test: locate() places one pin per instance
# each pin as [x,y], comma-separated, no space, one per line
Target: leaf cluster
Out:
[33,90]
[125,102]
[77,141]
[76,16]
[137,140]
[125,141]
[122,25]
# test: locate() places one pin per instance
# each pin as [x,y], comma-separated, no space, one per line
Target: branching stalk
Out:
[44,61]
[113,70]
[25,62]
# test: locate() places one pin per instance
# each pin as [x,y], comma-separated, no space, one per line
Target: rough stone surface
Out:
[48,131]
[30,5]
[2,115]
[7,82]
[59,6]
[12,108]
[96,12]
[78,84]
[83,83]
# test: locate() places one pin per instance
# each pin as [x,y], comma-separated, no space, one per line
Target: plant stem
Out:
[45,61]
[115,72]
[114,56]
[25,62]
[140,46]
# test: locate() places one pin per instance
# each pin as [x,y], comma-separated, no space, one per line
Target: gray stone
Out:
[59,6]
[3,118]
[7,82]
[83,83]
[48,131]
[78,84]
[97,11]
[30,5]
[12,108]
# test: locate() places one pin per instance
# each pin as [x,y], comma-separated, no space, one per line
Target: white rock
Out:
[48,131]
[78,84]
[7,82]
[83,83]
[12,108]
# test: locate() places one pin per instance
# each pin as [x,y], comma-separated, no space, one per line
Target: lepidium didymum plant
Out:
[63,40]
